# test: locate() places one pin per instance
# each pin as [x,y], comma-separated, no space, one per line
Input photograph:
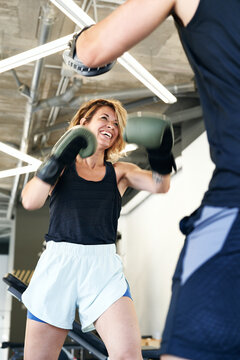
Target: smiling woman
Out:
[117,115]
[80,267]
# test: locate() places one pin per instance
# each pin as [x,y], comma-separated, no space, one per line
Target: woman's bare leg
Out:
[119,330]
[43,341]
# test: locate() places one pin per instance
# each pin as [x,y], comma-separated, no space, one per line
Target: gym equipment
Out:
[18,349]
[89,341]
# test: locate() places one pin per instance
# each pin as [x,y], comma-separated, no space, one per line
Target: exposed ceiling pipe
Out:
[62,99]
[185,115]
[46,25]
[176,117]
[84,4]
[53,114]
[52,128]
[88,6]
[43,152]
[130,94]
[62,87]
[141,102]
[22,88]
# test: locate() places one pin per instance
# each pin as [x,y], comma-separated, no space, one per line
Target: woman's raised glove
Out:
[77,140]
[156,135]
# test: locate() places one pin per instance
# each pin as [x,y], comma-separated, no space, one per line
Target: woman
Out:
[80,267]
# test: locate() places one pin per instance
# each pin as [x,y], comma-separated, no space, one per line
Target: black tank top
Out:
[84,212]
[212,44]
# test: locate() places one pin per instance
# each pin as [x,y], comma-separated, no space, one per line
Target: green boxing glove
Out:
[156,135]
[77,140]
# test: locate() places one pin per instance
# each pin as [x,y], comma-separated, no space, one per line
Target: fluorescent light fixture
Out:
[35,53]
[136,69]
[33,163]
[19,154]
[74,12]
[77,15]
[18,171]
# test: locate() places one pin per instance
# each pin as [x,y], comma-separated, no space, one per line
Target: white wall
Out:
[151,239]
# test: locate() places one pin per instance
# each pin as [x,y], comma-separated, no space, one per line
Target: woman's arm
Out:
[76,140]
[131,175]
[35,194]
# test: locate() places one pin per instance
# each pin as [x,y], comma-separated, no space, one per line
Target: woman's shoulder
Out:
[121,167]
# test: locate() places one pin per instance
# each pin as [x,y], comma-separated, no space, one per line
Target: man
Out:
[203,322]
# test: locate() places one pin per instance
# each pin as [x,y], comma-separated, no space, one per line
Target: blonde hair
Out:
[88,109]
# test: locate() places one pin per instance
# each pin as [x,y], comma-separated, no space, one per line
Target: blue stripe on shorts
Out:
[32,317]
[128,293]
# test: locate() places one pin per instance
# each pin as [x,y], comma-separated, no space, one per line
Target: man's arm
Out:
[121,30]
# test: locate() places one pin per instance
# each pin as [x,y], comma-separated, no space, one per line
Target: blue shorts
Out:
[203,322]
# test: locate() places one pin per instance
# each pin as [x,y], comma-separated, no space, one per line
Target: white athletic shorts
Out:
[70,276]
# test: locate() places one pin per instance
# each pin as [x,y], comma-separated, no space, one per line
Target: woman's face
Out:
[104,125]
